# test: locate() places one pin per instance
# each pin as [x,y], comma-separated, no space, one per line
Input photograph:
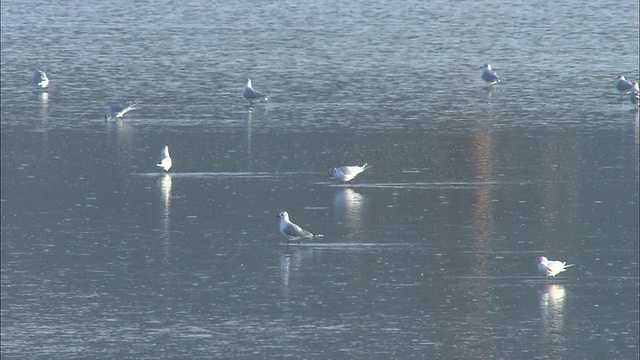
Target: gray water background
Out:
[430,254]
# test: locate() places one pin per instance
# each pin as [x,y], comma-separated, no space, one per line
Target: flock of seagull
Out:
[292,231]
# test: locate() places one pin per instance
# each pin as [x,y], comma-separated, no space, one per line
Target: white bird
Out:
[165,159]
[252,95]
[293,231]
[489,75]
[551,268]
[634,96]
[623,85]
[347,173]
[40,79]
[118,111]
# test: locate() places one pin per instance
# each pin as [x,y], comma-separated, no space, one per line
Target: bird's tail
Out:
[568,265]
[365,166]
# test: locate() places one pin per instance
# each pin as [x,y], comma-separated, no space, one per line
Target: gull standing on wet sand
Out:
[252,95]
[165,159]
[293,231]
[551,268]
[489,75]
[347,173]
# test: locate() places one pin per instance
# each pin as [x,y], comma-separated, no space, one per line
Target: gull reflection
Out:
[488,93]
[44,117]
[123,133]
[636,126]
[249,117]
[285,273]
[44,102]
[347,204]
[165,183]
[291,261]
[551,299]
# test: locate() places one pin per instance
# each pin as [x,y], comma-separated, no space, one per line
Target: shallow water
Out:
[431,253]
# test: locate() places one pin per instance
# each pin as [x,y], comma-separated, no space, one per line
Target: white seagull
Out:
[293,231]
[165,159]
[118,111]
[623,85]
[489,75]
[634,96]
[551,268]
[347,173]
[252,95]
[40,79]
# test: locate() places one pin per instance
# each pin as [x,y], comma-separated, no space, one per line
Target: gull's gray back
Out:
[488,75]
[294,230]
[624,85]
[251,94]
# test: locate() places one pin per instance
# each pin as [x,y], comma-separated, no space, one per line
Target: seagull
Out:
[251,94]
[634,96]
[489,75]
[165,159]
[40,80]
[347,173]
[551,268]
[118,111]
[623,85]
[293,231]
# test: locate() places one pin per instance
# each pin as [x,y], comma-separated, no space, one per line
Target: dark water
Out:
[430,254]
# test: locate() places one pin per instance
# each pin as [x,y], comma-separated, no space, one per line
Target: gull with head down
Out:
[347,173]
[118,111]
[551,268]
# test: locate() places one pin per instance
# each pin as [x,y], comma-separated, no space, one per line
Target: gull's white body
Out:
[165,159]
[250,94]
[551,268]
[623,85]
[40,80]
[634,96]
[291,230]
[347,173]
[489,75]
[118,111]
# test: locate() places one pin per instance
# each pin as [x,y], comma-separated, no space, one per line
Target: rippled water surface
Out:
[431,253]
